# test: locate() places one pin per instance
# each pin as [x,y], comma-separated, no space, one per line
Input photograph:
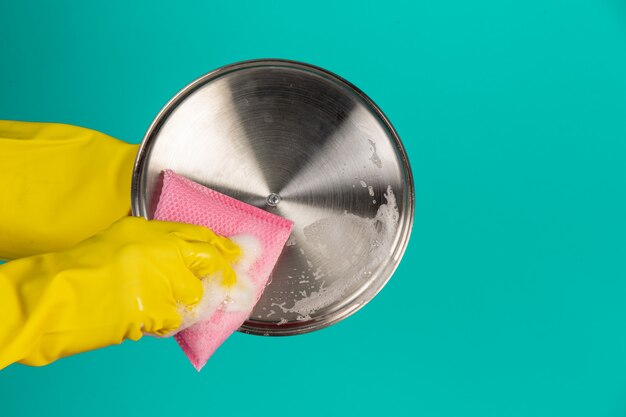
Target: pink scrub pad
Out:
[185,201]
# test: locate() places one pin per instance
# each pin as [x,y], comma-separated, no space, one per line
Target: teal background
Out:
[510,300]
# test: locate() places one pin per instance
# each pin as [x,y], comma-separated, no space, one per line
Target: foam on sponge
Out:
[239,297]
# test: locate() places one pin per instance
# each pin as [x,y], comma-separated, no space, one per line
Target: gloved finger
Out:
[194,233]
[229,249]
[187,288]
[167,325]
[225,246]
[204,259]
[188,232]
[170,325]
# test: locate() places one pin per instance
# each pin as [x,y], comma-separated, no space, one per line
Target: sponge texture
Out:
[185,201]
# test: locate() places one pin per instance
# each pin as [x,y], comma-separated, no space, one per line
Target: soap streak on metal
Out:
[295,140]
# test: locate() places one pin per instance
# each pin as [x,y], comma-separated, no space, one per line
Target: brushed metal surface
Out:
[303,143]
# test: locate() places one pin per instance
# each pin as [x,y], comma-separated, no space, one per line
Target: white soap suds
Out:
[374,157]
[238,297]
[371,240]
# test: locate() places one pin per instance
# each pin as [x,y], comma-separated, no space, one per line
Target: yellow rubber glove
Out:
[59,185]
[136,277]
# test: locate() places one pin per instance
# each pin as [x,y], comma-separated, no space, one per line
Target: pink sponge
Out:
[185,201]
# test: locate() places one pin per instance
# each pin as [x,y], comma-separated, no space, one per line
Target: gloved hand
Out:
[136,277]
[60,184]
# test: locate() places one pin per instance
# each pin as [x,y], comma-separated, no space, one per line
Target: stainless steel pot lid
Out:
[301,142]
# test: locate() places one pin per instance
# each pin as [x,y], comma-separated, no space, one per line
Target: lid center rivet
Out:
[273,199]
